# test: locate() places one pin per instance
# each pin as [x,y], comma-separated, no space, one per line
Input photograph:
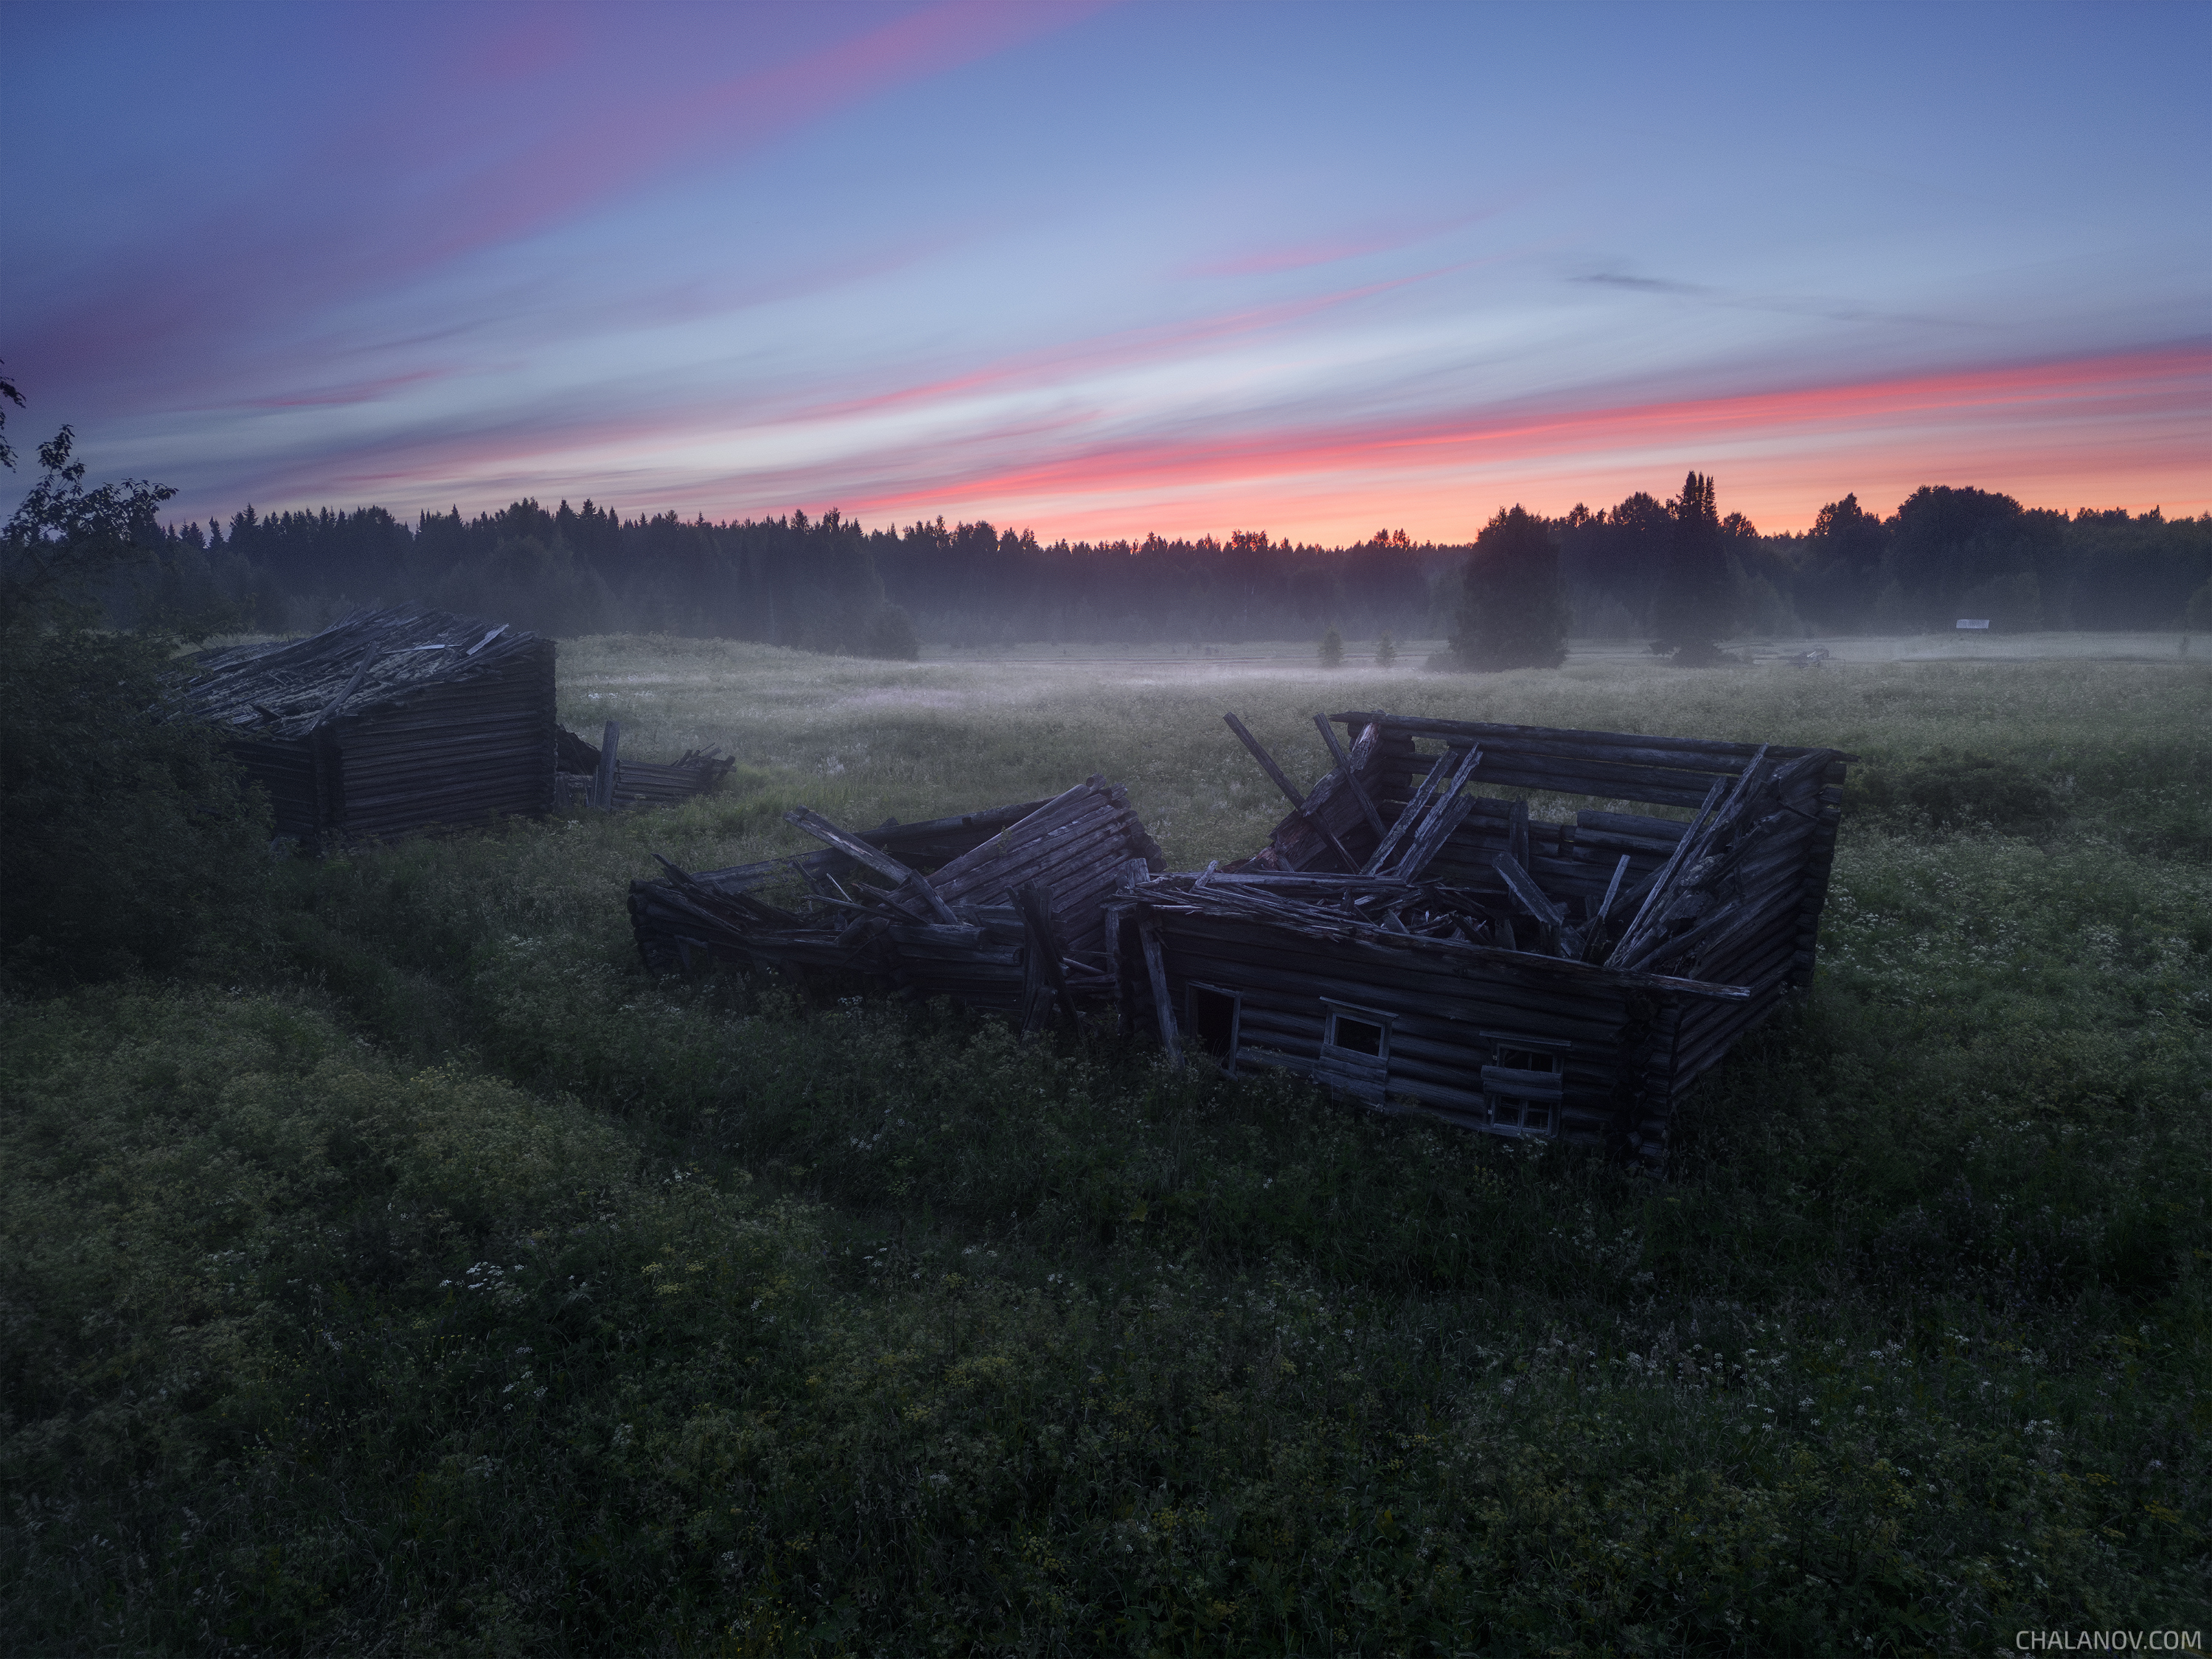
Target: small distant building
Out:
[388,722]
[1981,622]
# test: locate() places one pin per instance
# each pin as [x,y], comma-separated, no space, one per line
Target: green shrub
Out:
[1332,649]
[127,844]
[891,635]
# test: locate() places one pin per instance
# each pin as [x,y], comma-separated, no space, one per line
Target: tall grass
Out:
[456,1288]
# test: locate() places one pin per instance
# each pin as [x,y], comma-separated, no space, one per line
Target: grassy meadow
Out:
[421,1278]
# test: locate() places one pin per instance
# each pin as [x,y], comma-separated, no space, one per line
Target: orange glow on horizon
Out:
[2118,429]
[2123,430]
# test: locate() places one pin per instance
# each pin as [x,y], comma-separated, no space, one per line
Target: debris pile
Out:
[1003,909]
[597,776]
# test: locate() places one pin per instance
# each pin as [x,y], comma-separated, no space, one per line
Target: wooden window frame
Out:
[1353,1071]
[1512,1094]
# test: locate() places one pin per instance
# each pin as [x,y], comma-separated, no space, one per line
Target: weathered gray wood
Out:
[1422,840]
[1043,953]
[369,657]
[1612,891]
[881,863]
[1531,897]
[1290,790]
[1655,892]
[1429,839]
[1351,774]
[603,782]
[1439,779]
[1148,934]
[1704,754]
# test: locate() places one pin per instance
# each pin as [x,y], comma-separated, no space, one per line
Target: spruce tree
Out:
[1513,611]
[1694,595]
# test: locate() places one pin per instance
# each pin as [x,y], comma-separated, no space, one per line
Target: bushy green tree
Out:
[1332,649]
[1386,651]
[1513,609]
[126,841]
[891,635]
[2197,613]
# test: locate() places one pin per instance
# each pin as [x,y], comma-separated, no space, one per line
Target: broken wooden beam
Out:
[1290,790]
[881,863]
[1343,759]
[1148,933]
[603,780]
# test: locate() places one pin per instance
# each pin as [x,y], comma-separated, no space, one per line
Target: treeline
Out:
[826,584]
[1945,553]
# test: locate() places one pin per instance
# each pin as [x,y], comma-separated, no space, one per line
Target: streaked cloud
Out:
[1105,268]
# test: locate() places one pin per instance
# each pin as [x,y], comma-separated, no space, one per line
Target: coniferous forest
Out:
[827,584]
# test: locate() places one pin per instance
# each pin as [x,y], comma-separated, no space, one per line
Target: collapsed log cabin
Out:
[387,722]
[1402,939]
[1423,948]
[1002,909]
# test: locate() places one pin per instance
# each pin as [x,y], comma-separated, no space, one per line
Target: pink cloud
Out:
[395,198]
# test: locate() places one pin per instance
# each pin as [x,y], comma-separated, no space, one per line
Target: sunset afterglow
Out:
[1106,269]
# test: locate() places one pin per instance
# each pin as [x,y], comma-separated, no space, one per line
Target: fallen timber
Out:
[1002,909]
[1421,947]
[1404,939]
[597,776]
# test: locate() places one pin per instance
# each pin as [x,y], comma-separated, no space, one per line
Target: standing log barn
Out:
[387,722]
[392,722]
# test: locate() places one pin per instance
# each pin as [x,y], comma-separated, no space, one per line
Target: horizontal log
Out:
[1708,754]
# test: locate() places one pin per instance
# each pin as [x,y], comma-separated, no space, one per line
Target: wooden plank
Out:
[1148,933]
[881,863]
[1290,790]
[1612,891]
[1351,776]
[1657,887]
[1430,839]
[1042,954]
[1704,754]
[1424,820]
[603,780]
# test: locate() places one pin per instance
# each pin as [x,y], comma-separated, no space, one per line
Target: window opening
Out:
[1360,1035]
[1524,1087]
[1355,1050]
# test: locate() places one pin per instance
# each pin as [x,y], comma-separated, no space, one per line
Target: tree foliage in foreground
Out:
[127,844]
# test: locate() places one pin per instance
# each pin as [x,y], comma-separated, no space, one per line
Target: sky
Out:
[1103,269]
